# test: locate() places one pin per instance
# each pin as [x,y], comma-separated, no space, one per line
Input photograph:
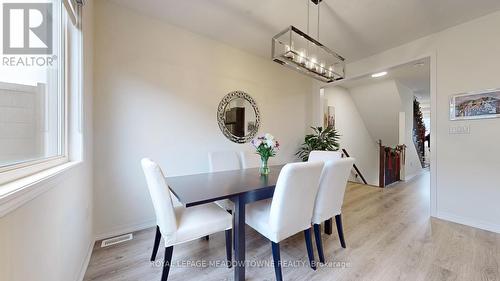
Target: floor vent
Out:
[116,240]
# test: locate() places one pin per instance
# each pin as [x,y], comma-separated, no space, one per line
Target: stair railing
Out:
[344,152]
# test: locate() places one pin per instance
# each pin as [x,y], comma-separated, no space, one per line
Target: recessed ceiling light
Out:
[379,74]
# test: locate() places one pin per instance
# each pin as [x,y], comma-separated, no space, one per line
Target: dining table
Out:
[242,187]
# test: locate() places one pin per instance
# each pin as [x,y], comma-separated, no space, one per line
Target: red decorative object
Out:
[390,164]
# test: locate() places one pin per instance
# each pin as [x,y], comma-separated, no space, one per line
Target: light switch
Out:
[459,130]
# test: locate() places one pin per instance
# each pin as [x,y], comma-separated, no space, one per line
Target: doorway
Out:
[393,141]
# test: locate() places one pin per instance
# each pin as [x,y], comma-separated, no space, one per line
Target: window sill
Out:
[17,193]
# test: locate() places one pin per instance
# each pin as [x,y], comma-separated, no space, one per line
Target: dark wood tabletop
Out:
[192,190]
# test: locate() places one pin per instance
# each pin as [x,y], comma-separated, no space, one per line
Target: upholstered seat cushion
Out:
[175,200]
[257,216]
[196,222]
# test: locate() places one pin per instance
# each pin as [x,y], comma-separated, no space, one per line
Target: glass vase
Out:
[264,169]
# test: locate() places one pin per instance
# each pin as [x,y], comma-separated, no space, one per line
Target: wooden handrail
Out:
[355,167]
[381,166]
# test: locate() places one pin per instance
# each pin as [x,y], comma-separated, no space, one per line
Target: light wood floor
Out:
[388,232]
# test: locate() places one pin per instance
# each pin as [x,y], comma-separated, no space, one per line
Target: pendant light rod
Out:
[308,13]
[318,21]
[317,3]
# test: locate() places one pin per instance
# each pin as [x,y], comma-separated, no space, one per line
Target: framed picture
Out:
[475,105]
[329,116]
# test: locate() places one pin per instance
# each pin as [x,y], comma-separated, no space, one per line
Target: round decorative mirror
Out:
[238,117]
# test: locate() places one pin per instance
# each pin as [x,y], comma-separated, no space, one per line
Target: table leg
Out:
[239,239]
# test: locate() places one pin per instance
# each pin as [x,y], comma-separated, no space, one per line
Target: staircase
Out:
[419,133]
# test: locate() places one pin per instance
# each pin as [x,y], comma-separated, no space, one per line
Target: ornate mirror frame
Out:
[221,118]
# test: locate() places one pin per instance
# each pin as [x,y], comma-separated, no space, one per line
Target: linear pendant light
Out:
[296,49]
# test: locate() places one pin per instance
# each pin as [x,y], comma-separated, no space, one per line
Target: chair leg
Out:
[234,240]
[328,226]
[166,262]
[309,246]
[340,230]
[319,243]
[229,247]
[277,261]
[157,243]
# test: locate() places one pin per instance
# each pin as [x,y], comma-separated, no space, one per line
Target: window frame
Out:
[24,169]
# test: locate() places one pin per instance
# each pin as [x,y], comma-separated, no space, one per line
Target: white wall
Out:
[380,110]
[50,237]
[355,137]
[465,168]
[157,92]
[379,104]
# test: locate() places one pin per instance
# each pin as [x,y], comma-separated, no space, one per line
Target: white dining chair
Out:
[179,225]
[289,211]
[330,197]
[318,155]
[321,155]
[220,161]
[249,160]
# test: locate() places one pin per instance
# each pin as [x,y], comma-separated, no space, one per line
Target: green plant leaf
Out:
[321,139]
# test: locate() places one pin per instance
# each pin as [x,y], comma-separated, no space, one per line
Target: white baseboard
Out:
[469,222]
[86,262]
[123,229]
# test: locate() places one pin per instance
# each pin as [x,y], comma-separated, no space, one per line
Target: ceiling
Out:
[415,75]
[354,28]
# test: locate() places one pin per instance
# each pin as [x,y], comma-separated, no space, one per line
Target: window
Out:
[33,87]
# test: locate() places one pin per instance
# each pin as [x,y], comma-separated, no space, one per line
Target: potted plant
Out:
[326,139]
[266,147]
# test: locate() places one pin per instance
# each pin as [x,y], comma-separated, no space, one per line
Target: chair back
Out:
[293,201]
[317,155]
[219,161]
[249,160]
[160,195]
[332,189]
